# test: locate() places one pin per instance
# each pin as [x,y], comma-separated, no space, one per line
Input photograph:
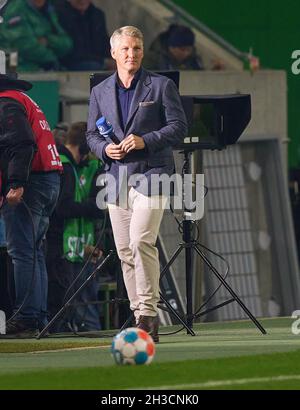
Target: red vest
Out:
[46,158]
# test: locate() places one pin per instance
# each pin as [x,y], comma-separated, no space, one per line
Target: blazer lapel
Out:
[111,99]
[142,90]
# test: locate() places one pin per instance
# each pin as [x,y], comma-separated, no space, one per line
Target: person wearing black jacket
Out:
[72,225]
[86,25]
[17,146]
[174,49]
[30,168]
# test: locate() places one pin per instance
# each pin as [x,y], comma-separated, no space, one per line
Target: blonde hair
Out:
[130,31]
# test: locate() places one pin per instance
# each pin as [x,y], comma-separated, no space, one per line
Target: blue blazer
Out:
[155,114]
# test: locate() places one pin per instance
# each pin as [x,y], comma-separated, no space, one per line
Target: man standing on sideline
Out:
[30,168]
[148,119]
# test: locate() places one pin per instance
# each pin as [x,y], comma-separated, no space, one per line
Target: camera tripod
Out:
[191,245]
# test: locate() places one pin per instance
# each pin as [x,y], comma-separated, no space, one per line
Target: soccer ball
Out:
[133,346]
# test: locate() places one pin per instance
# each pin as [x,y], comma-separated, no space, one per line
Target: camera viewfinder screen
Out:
[203,124]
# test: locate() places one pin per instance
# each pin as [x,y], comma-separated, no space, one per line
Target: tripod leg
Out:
[189,313]
[173,257]
[125,324]
[85,283]
[188,271]
[186,325]
[230,290]
[189,287]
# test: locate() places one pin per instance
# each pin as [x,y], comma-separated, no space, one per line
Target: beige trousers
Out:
[135,232]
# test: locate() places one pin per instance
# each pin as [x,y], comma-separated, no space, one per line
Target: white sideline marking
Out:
[67,349]
[219,383]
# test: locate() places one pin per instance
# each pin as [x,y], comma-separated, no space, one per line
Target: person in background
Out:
[174,49]
[86,25]
[31,28]
[60,132]
[30,168]
[71,236]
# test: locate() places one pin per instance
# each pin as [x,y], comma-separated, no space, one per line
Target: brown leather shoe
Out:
[150,325]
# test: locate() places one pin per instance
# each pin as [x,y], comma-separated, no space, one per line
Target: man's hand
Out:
[132,142]
[14,196]
[114,151]
[96,253]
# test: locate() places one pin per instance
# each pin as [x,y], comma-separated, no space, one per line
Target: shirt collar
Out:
[133,82]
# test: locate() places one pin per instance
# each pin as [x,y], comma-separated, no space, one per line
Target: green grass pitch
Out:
[228,355]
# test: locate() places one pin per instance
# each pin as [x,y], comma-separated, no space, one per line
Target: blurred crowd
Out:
[72,35]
